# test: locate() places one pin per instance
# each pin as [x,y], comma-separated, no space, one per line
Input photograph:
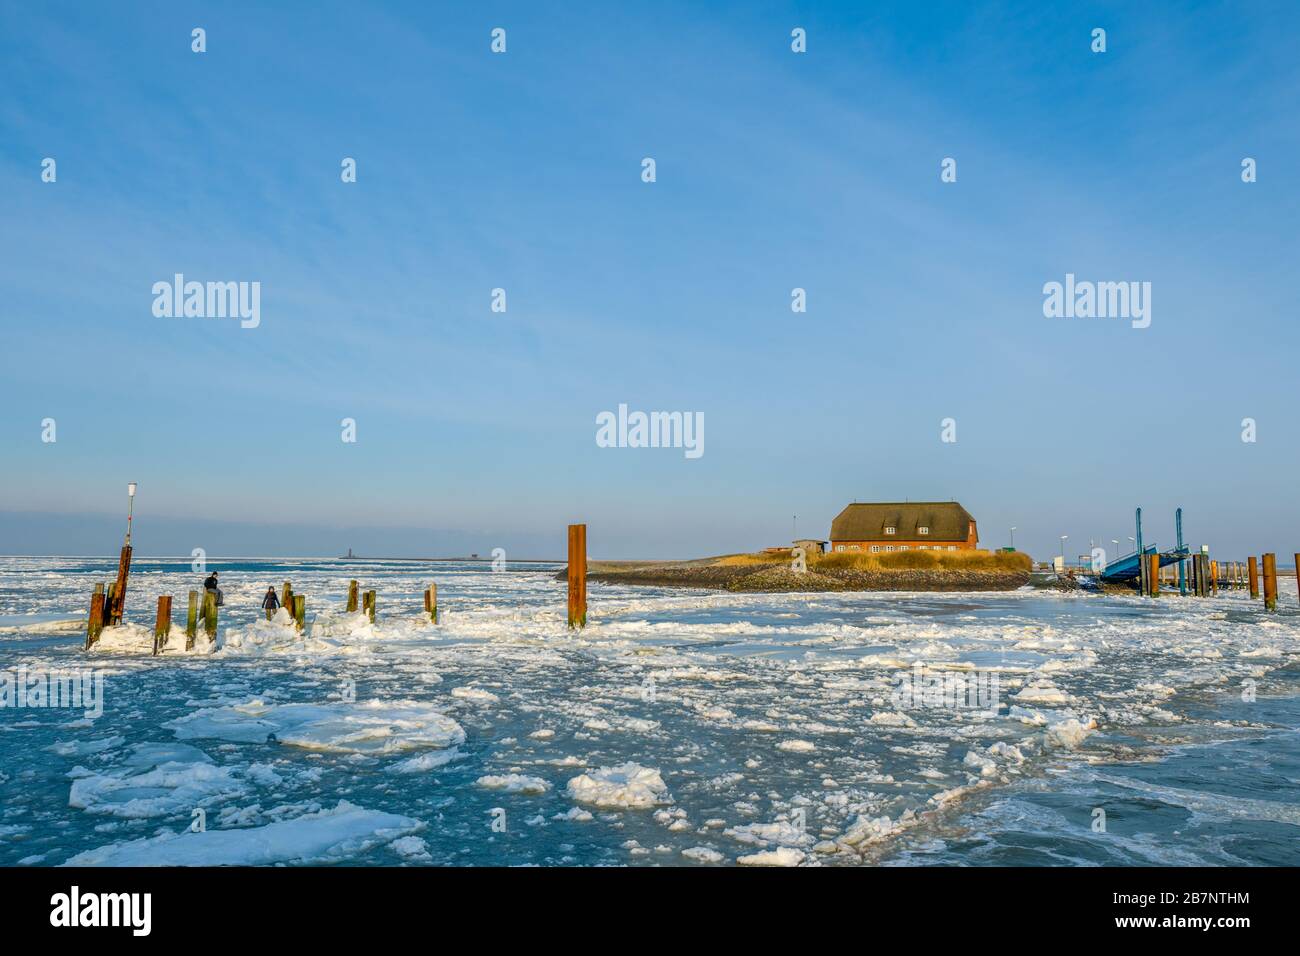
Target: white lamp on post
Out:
[130,507]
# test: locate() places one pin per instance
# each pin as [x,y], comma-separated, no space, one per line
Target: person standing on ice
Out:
[270,603]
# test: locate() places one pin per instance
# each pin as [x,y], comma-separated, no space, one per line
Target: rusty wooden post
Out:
[192,620]
[1270,581]
[299,610]
[95,623]
[210,615]
[1154,575]
[119,590]
[163,624]
[1252,572]
[352,596]
[577,575]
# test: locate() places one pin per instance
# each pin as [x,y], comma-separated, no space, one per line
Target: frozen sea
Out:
[680,728]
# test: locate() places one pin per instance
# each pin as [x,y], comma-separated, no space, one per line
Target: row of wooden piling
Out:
[1204,577]
[106,605]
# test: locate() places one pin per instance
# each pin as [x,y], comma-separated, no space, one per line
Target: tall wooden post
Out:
[1252,572]
[1297,573]
[431,602]
[299,610]
[1270,581]
[368,605]
[95,623]
[577,575]
[1154,575]
[352,596]
[286,597]
[192,620]
[210,615]
[119,589]
[163,625]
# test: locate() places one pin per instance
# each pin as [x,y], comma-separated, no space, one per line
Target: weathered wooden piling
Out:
[299,610]
[1297,574]
[95,623]
[210,615]
[1153,575]
[286,597]
[368,605]
[1270,581]
[118,604]
[352,596]
[163,624]
[192,620]
[1252,572]
[431,602]
[577,575]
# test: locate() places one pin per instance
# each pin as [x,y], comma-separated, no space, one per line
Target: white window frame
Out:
[875,549]
[839,547]
[889,547]
[923,529]
[891,531]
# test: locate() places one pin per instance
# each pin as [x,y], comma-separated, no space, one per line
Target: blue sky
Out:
[521,171]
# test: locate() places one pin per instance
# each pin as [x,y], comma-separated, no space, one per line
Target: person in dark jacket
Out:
[210,585]
[270,603]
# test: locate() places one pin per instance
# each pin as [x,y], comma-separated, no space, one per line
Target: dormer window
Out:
[923,530]
[890,530]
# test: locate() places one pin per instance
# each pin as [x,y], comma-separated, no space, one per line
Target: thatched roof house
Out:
[903,526]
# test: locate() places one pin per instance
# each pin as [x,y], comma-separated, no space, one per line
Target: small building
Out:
[810,546]
[882,527]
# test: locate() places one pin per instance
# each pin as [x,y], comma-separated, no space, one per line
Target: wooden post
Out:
[1270,581]
[1297,573]
[577,575]
[370,605]
[210,615]
[286,597]
[299,610]
[192,620]
[1154,575]
[95,623]
[352,596]
[163,625]
[1252,572]
[119,591]
[431,602]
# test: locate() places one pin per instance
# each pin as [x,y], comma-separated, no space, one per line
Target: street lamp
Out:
[1063,537]
[1115,542]
[130,506]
